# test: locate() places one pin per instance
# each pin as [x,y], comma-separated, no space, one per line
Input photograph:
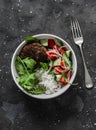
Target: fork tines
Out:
[75,27]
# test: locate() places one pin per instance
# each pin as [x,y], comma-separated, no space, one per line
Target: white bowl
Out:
[60,91]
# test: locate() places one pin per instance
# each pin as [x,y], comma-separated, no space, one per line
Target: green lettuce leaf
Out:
[31,39]
[24,66]
[27,73]
[28,81]
[20,66]
[29,62]
[38,90]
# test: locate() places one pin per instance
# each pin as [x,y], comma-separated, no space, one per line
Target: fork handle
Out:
[88,80]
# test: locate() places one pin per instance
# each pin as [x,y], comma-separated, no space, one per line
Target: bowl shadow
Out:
[55,109]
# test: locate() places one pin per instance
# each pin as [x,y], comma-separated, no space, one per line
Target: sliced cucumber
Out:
[58,77]
[57,62]
[67,61]
[68,53]
[44,42]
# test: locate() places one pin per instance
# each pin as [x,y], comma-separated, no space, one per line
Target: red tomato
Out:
[62,63]
[63,81]
[61,50]
[51,43]
[51,55]
[58,69]
[69,75]
[53,51]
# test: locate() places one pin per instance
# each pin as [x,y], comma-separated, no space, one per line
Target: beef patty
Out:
[35,51]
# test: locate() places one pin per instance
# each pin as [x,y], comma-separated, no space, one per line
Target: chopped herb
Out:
[38,90]
[44,65]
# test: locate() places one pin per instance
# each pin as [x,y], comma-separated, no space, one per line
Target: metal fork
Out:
[78,39]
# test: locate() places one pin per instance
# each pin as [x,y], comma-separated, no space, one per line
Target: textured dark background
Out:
[74,110]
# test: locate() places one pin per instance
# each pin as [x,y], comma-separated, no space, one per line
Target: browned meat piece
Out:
[35,51]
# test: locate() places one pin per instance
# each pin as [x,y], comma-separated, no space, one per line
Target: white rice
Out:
[48,81]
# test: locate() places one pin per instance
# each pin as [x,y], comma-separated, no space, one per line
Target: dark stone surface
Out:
[74,110]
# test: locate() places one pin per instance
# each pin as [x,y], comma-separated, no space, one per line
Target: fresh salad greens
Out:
[44,65]
[44,42]
[27,75]
[31,39]
[67,60]
[61,67]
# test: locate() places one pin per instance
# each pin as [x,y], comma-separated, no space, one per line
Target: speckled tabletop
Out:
[74,110]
